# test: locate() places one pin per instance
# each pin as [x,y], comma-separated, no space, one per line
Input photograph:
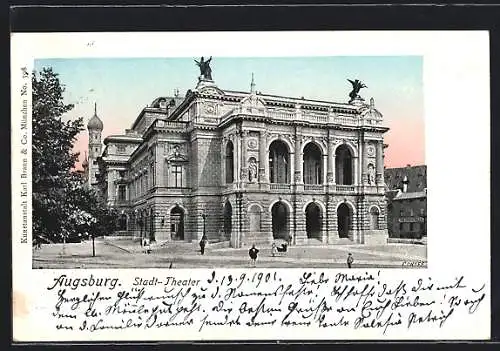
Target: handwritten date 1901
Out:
[256,278]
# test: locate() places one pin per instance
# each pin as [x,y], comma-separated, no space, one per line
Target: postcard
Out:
[286,185]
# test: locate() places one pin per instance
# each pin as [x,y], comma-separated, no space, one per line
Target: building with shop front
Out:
[246,167]
[407,202]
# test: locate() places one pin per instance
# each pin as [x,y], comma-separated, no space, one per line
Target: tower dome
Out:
[95,122]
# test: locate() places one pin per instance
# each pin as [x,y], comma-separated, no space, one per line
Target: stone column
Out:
[110,187]
[332,231]
[159,163]
[298,160]
[263,162]
[237,157]
[244,168]
[380,163]
[323,167]
[364,174]
[223,161]
[355,161]
[330,175]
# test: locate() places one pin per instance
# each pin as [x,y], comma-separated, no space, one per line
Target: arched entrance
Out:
[280,221]
[313,221]
[374,213]
[344,220]
[228,219]
[312,164]
[343,166]
[122,222]
[279,162]
[177,223]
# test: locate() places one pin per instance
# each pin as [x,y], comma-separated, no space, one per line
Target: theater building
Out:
[246,167]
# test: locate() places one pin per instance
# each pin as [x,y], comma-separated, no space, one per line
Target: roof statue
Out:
[357,85]
[205,70]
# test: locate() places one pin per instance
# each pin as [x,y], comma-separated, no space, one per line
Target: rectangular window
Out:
[411,212]
[401,212]
[122,193]
[177,175]
[411,226]
[401,227]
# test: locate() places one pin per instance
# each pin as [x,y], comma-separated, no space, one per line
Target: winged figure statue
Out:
[357,85]
[205,69]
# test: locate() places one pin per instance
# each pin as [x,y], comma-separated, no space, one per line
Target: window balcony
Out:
[345,188]
[314,187]
[279,186]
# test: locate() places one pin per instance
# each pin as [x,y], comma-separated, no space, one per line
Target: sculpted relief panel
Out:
[176,151]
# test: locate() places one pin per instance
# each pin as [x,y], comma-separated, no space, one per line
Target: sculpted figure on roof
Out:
[205,69]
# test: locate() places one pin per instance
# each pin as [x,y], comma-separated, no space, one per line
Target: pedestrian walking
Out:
[147,246]
[253,252]
[350,260]
[203,243]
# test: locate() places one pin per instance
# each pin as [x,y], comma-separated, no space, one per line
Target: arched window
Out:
[343,166]
[122,192]
[374,213]
[229,162]
[312,164]
[279,162]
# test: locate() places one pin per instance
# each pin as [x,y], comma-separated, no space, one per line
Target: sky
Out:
[122,87]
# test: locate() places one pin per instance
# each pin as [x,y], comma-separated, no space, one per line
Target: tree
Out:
[63,205]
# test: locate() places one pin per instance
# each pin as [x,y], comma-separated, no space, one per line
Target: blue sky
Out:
[122,87]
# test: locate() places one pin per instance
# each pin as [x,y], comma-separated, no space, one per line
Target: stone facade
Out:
[407,202]
[249,168]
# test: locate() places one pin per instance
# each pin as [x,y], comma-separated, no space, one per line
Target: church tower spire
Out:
[95,127]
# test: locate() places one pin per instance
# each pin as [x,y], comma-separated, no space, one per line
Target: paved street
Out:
[128,254]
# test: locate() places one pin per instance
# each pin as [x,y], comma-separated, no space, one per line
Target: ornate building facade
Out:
[246,167]
[407,202]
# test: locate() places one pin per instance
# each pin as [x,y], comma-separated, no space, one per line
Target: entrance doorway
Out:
[280,221]
[344,220]
[177,223]
[313,221]
[228,219]
[374,213]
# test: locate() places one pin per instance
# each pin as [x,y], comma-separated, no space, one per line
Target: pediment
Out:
[211,90]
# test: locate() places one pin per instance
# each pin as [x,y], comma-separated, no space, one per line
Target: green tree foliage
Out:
[63,206]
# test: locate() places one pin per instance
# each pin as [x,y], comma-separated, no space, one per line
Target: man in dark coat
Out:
[203,243]
[350,260]
[253,254]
